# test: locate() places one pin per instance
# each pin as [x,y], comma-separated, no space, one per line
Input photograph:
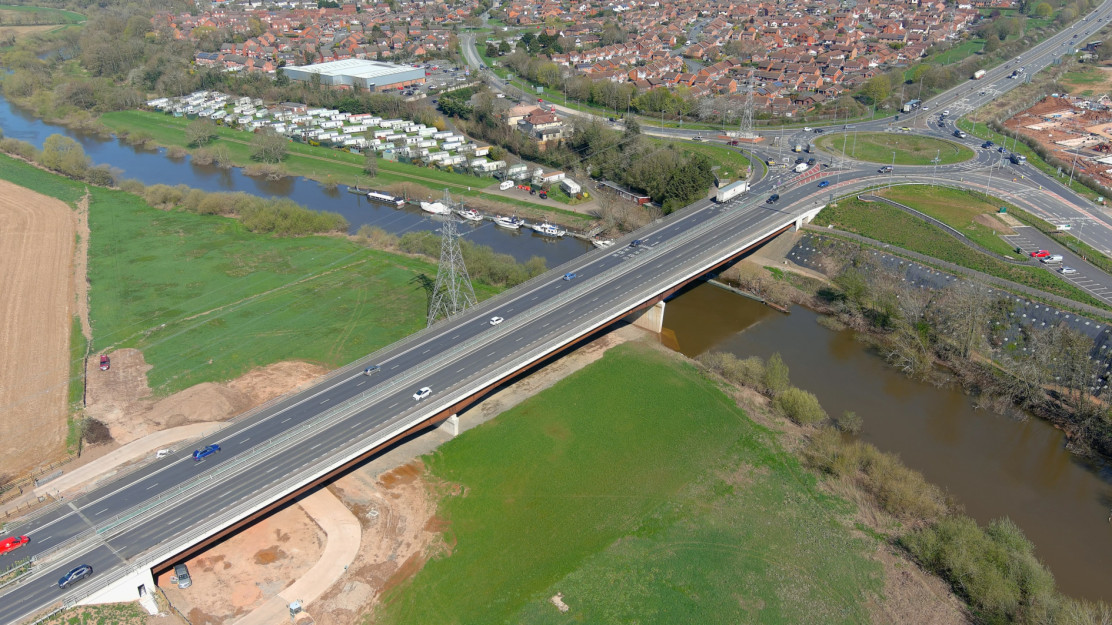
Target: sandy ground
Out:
[121,399]
[36,280]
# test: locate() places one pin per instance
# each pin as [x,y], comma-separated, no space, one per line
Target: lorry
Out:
[731,191]
[979,74]
[800,168]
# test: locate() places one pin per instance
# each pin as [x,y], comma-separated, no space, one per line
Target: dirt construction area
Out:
[37,237]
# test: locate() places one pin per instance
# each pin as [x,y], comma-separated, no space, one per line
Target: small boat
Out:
[548,230]
[513,223]
[386,198]
[602,243]
[470,215]
[436,208]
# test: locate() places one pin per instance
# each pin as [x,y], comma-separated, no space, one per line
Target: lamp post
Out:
[935,160]
[892,171]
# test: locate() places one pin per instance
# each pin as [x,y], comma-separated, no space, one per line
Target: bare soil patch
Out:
[238,575]
[120,397]
[992,222]
[36,280]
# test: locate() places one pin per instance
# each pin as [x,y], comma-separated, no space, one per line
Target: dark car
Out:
[772,199]
[819,131]
[987,144]
[636,243]
[810,161]
[77,574]
[544,195]
[371,370]
[205,452]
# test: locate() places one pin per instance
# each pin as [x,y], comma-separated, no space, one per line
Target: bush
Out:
[800,406]
[748,372]
[850,422]
[994,569]
[776,378]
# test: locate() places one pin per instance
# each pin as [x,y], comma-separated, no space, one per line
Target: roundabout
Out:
[909,149]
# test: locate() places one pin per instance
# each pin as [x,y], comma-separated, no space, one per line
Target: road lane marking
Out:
[151,486]
[392,405]
[394,367]
[244,440]
[324,401]
[362,383]
[286,419]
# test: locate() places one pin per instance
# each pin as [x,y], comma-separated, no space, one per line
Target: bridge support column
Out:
[137,585]
[807,217]
[651,319]
[451,425]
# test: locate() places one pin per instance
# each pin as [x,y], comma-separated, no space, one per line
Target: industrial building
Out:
[361,73]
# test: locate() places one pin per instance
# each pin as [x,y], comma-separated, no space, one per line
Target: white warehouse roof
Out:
[361,72]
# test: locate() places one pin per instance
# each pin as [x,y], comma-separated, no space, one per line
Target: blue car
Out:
[77,574]
[569,276]
[824,183]
[205,452]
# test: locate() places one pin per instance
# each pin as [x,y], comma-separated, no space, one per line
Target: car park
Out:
[496,320]
[1040,254]
[570,276]
[13,542]
[205,452]
[823,184]
[422,393]
[1067,270]
[77,574]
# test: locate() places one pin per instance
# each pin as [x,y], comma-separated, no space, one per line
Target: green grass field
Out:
[877,147]
[206,300]
[889,224]
[956,208]
[310,161]
[731,164]
[959,52]
[647,497]
[58,16]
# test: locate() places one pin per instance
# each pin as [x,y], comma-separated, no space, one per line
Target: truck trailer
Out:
[979,74]
[731,191]
[800,168]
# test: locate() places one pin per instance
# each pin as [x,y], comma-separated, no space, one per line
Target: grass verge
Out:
[878,147]
[889,224]
[956,208]
[648,497]
[78,348]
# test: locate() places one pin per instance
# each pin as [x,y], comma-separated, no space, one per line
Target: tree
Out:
[200,132]
[776,379]
[1043,10]
[992,43]
[370,164]
[877,88]
[503,47]
[65,155]
[268,146]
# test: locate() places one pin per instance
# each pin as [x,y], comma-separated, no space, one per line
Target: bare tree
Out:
[269,147]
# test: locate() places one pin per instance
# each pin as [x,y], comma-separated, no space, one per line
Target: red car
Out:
[1040,254]
[104,362]
[13,542]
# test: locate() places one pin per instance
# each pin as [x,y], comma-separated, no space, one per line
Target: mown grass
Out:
[877,147]
[78,347]
[641,492]
[889,224]
[956,208]
[63,17]
[318,163]
[732,165]
[206,300]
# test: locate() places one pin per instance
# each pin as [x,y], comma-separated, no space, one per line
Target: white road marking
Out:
[286,419]
[324,401]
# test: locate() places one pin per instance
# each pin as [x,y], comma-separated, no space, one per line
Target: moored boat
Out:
[436,208]
[513,223]
[386,198]
[548,230]
[470,215]
[602,243]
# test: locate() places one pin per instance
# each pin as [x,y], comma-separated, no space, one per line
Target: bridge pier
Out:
[651,319]
[450,425]
[136,586]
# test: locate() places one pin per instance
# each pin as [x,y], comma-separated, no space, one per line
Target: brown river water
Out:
[993,466]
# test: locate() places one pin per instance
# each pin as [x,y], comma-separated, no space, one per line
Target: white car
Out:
[1068,270]
[421,394]
[496,320]
[806,129]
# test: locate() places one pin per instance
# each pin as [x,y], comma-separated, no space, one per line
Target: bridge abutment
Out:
[651,319]
[135,586]
[807,217]
[451,425]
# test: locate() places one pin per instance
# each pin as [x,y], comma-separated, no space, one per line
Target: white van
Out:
[1053,259]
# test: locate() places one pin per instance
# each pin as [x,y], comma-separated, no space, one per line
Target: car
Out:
[1067,270]
[570,276]
[371,370]
[544,195]
[205,452]
[945,113]
[181,576]
[811,161]
[905,128]
[987,144]
[823,184]
[12,543]
[884,170]
[422,393]
[496,320]
[636,243]
[959,134]
[846,127]
[697,138]
[799,160]
[1040,254]
[532,191]
[1000,149]
[772,199]
[982,93]
[926,108]
[105,363]
[806,129]
[819,131]
[78,573]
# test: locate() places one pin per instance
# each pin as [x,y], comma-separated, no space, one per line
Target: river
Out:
[993,466]
[155,167]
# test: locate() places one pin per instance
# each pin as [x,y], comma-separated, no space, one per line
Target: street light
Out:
[892,171]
